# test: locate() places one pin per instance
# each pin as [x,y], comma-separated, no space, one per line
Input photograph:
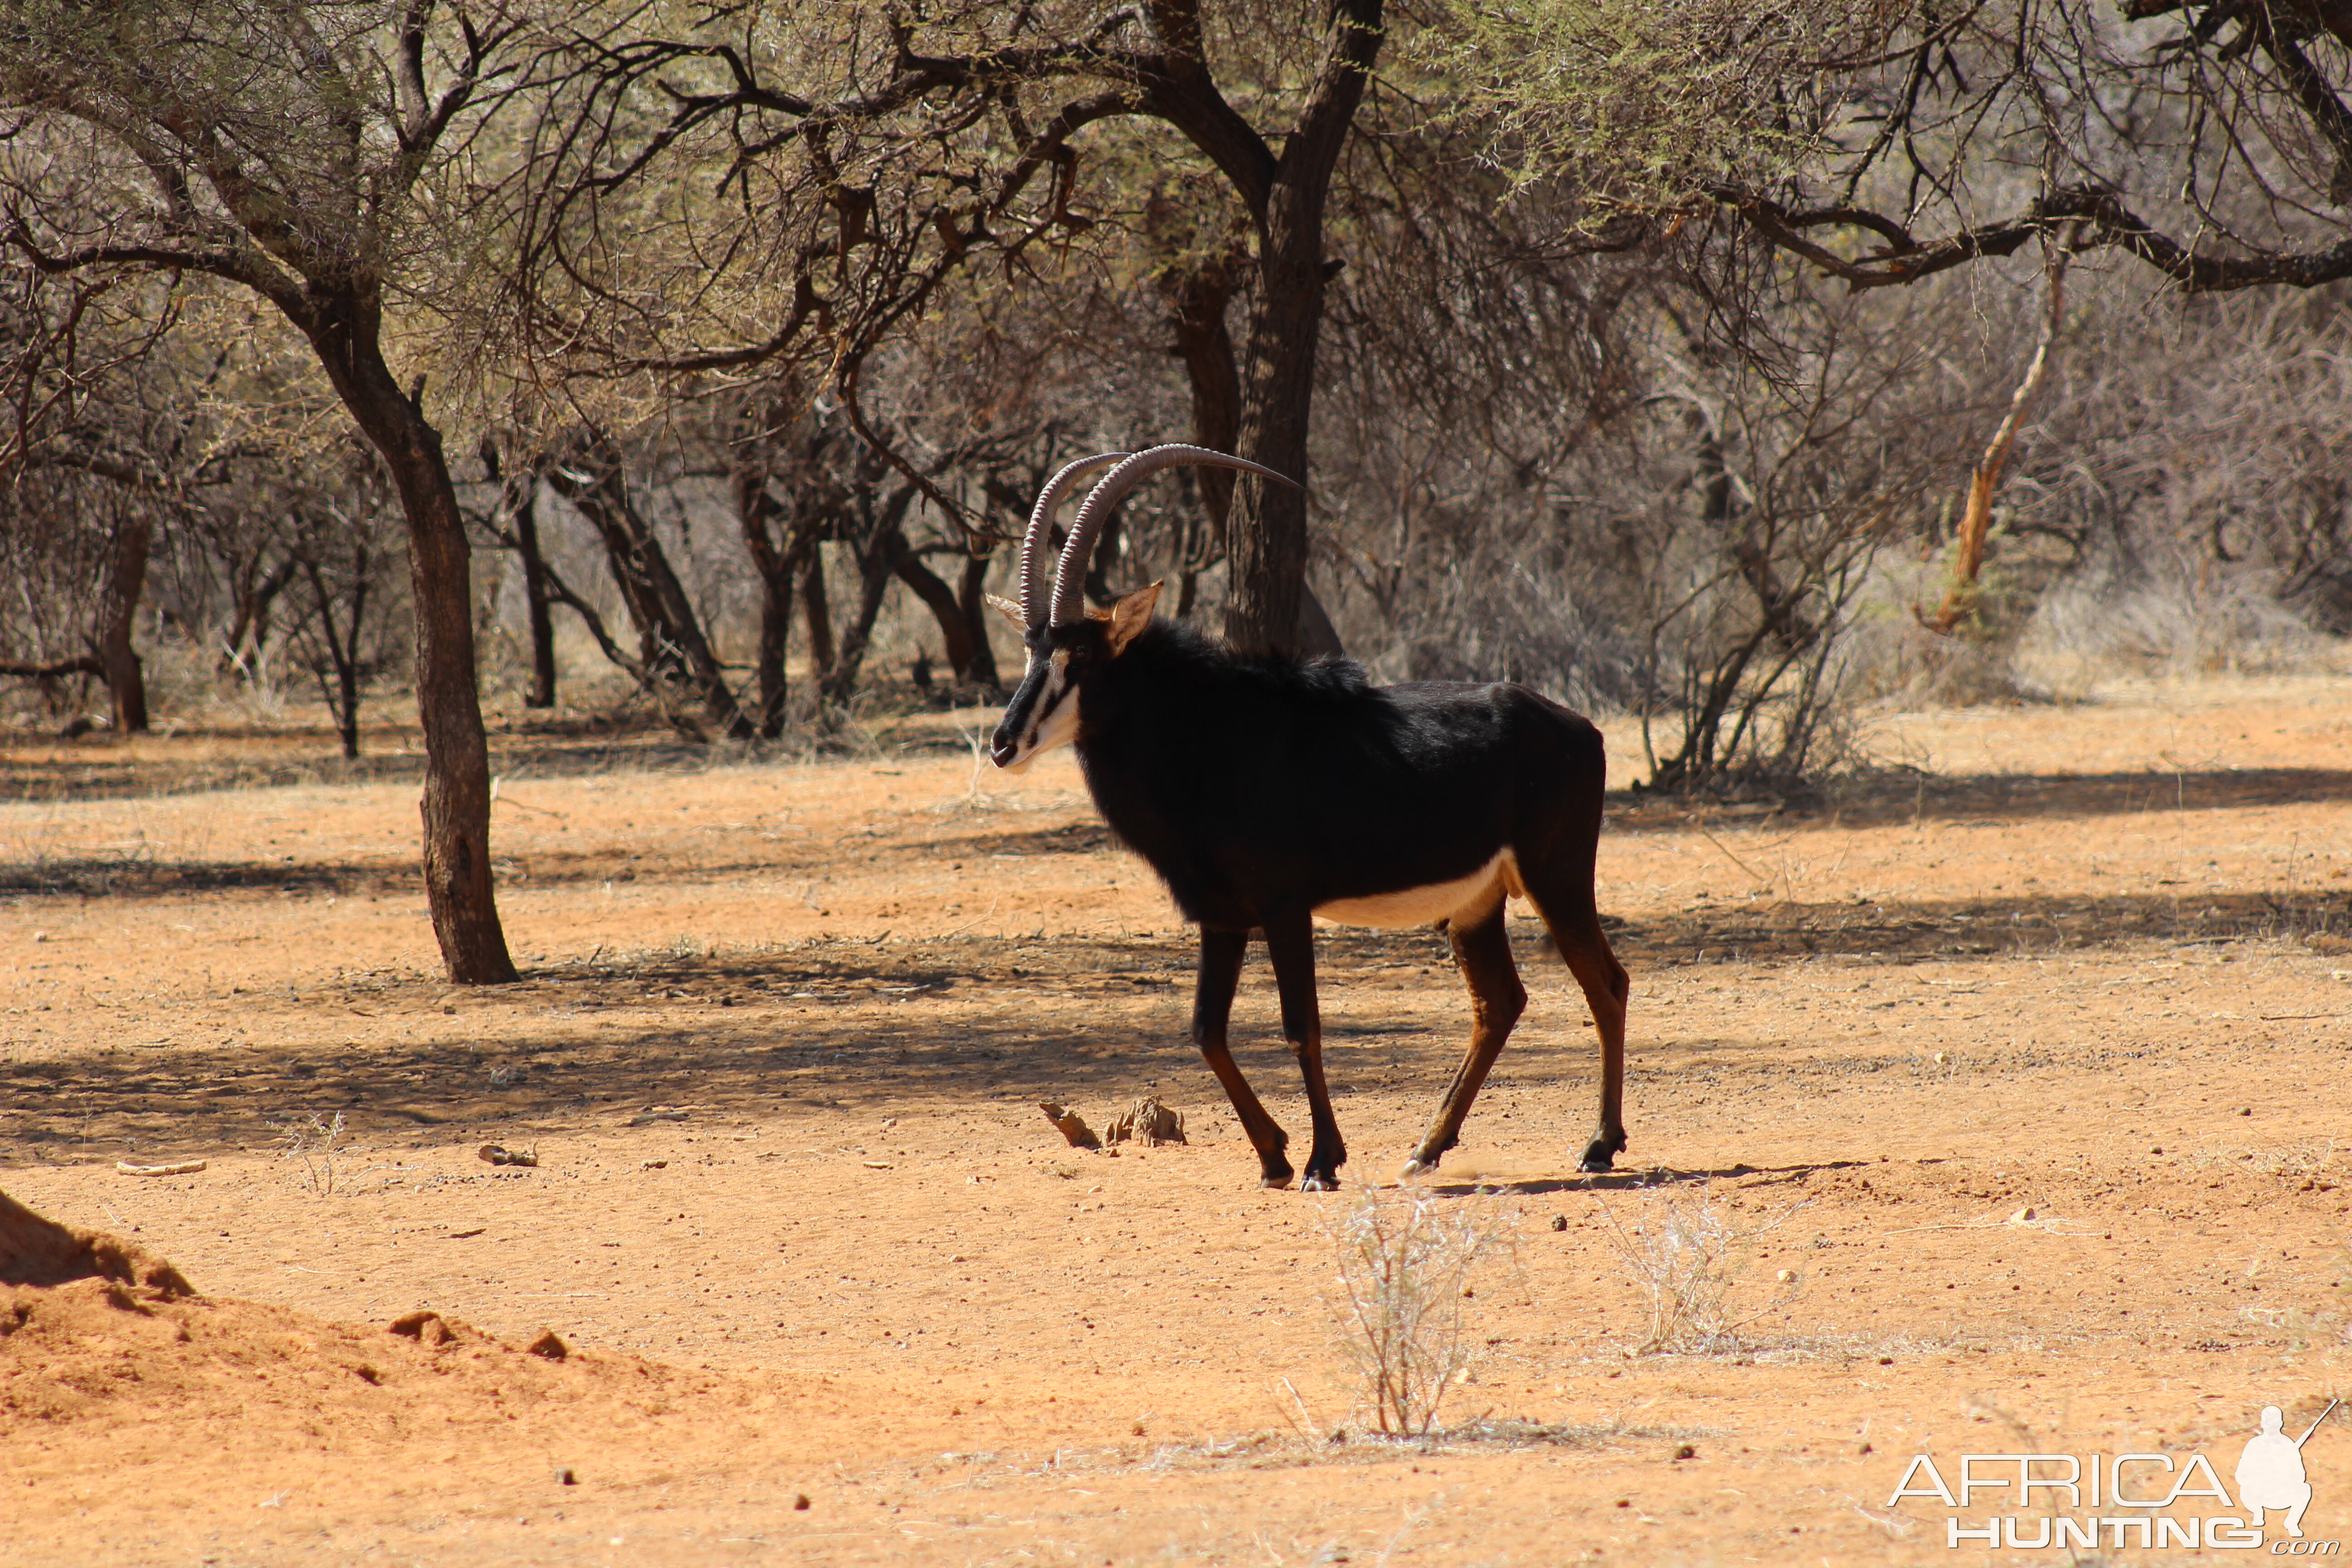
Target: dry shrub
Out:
[1405,1263]
[318,1146]
[1692,1263]
[2174,625]
[1896,661]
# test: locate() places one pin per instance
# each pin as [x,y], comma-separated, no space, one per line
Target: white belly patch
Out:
[1477,894]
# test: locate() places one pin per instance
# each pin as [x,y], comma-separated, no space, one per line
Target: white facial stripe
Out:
[1053,717]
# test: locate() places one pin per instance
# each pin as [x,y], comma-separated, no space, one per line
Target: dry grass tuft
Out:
[1405,1264]
[318,1146]
[1692,1263]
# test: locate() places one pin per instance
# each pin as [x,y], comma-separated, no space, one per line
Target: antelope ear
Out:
[1008,609]
[1129,616]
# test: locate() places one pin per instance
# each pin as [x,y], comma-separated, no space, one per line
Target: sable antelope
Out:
[1267,791]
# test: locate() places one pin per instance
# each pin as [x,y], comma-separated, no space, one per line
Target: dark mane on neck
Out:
[1181,647]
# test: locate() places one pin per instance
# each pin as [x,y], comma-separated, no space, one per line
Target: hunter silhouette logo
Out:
[2117,1502]
[2270,1472]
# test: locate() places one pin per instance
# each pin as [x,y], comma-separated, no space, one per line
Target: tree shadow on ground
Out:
[1656,1178]
[108,875]
[825,1025]
[849,1024]
[109,767]
[1882,799]
[1989,927]
[140,876]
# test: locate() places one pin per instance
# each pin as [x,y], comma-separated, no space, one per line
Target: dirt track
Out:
[2100,973]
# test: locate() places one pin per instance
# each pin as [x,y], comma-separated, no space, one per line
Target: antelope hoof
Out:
[1601,1155]
[1275,1183]
[1416,1166]
[1315,1184]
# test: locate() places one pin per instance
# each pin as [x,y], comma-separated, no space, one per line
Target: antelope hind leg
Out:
[1482,952]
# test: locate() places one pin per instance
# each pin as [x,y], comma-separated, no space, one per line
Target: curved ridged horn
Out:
[1070,573]
[1041,533]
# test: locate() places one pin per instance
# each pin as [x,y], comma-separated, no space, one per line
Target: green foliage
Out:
[1641,104]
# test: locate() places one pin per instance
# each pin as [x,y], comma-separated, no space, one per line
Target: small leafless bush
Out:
[318,1146]
[1398,1304]
[1692,1264]
[974,798]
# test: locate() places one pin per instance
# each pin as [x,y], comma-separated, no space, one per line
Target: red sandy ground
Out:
[2096,967]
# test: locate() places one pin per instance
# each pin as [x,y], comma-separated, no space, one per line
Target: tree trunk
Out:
[818,607]
[519,505]
[1197,299]
[342,649]
[955,633]
[969,591]
[126,582]
[1694,765]
[347,708]
[1976,520]
[459,889]
[1268,545]
[885,547]
[756,508]
[1316,638]
[670,633]
[255,597]
[524,496]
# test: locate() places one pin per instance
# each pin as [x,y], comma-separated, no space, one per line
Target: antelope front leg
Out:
[1290,941]
[1213,1007]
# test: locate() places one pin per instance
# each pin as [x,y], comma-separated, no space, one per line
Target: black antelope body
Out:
[1265,792]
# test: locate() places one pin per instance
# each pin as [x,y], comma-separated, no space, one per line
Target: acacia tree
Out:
[832,171]
[591,472]
[1884,144]
[2207,139]
[515,525]
[97,430]
[287,147]
[346,550]
[2208,142]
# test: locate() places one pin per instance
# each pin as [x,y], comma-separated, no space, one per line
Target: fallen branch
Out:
[177,1168]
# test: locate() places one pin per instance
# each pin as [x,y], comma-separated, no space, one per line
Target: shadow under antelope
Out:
[1265,792]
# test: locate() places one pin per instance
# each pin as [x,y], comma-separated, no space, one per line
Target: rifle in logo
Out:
[2271,1473]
